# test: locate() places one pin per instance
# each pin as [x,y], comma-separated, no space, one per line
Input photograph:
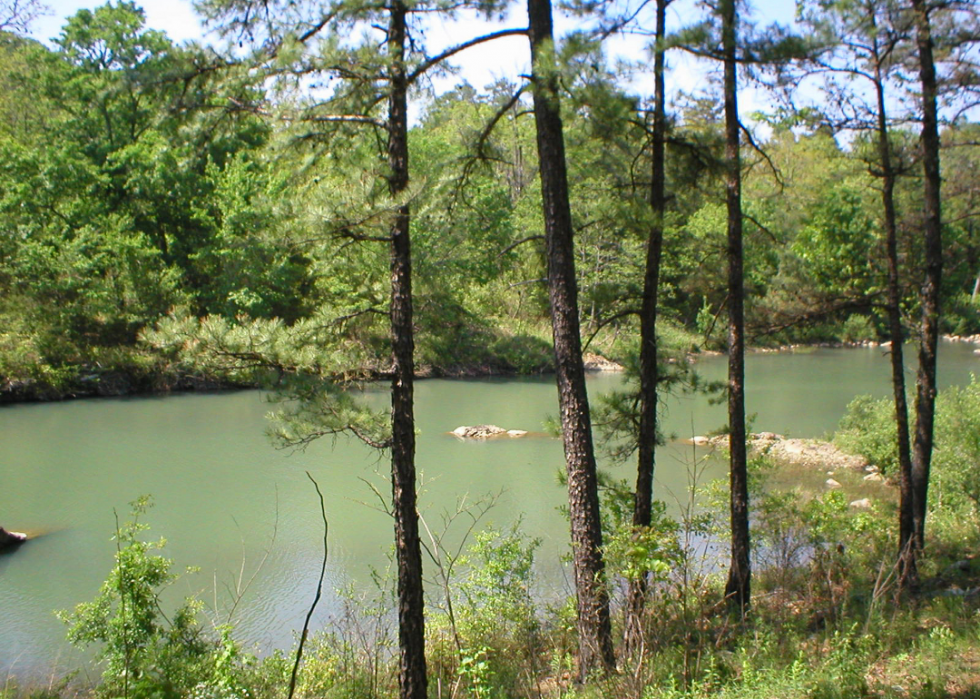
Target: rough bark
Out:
[925,401]
[594,627]
[737,589]
[908,569]
[411,624]
[647,438]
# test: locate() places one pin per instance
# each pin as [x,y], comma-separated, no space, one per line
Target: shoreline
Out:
[116,383]
[119,384]
[795,451]
[866,344]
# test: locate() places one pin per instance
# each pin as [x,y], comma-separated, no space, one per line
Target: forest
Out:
[298,208]
[147,186]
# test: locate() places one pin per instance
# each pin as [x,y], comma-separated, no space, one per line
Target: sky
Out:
[481,65]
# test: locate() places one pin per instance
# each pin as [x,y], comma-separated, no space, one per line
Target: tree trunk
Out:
[408,553]
[925,401]
[907,561]
[737,590]
[594,628]
[647,437]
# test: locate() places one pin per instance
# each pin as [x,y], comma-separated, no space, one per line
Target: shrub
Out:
[868,429]
[144,652]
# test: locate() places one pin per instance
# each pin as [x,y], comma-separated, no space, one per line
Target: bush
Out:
[868,429]
[956,461]
[145,653]
[961,315]
[857,328]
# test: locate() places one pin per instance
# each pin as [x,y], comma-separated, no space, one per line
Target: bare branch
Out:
[453,50]
[479,155]
[765,156]
[17,15]
[520,242]
[319,590]
[608,321]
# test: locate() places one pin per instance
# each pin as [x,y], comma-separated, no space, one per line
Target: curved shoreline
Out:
[116,383]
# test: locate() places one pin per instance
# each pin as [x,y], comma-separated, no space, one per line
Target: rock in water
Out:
[9,539]
[478,431]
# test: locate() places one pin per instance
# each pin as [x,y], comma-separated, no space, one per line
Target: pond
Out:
[246,516]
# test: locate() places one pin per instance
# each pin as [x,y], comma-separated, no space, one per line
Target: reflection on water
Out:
[227,501]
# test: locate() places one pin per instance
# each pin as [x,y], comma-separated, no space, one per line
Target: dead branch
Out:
[319,590]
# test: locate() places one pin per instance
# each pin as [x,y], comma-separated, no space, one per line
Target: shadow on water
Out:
[17,549]
[9,549]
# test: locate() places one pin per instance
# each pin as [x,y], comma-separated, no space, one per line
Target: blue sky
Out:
[177,17]
[480,66]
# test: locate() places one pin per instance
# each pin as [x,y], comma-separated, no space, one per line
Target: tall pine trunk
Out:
[925,401]
[411,624]
[647,438]
[737,590]
[907,562]
[594,627]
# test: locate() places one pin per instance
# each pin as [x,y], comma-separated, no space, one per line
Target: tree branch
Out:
[520,242]
[319,590]
[453,50]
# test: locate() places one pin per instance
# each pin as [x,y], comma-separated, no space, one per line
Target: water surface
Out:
[226,500]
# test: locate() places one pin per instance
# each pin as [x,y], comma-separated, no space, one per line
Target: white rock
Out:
[874,478]
[862,504]
[516,433]
[831,483]
[478,431]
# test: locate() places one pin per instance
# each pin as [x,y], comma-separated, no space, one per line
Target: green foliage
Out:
[653,551]
[477,673]
[631,551]
[458,342]
[868,429]
[842,672]
[956,460]
[106,195]
[145,651]
[496,628]
[858,328]
[353,658]
[961,314]
[127,191]
[838,244]
[497,587]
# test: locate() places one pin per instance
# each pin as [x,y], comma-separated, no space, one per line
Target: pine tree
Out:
[929,297]
[368,79]
[594,626]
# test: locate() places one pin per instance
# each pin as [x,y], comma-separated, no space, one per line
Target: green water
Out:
[247,517]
